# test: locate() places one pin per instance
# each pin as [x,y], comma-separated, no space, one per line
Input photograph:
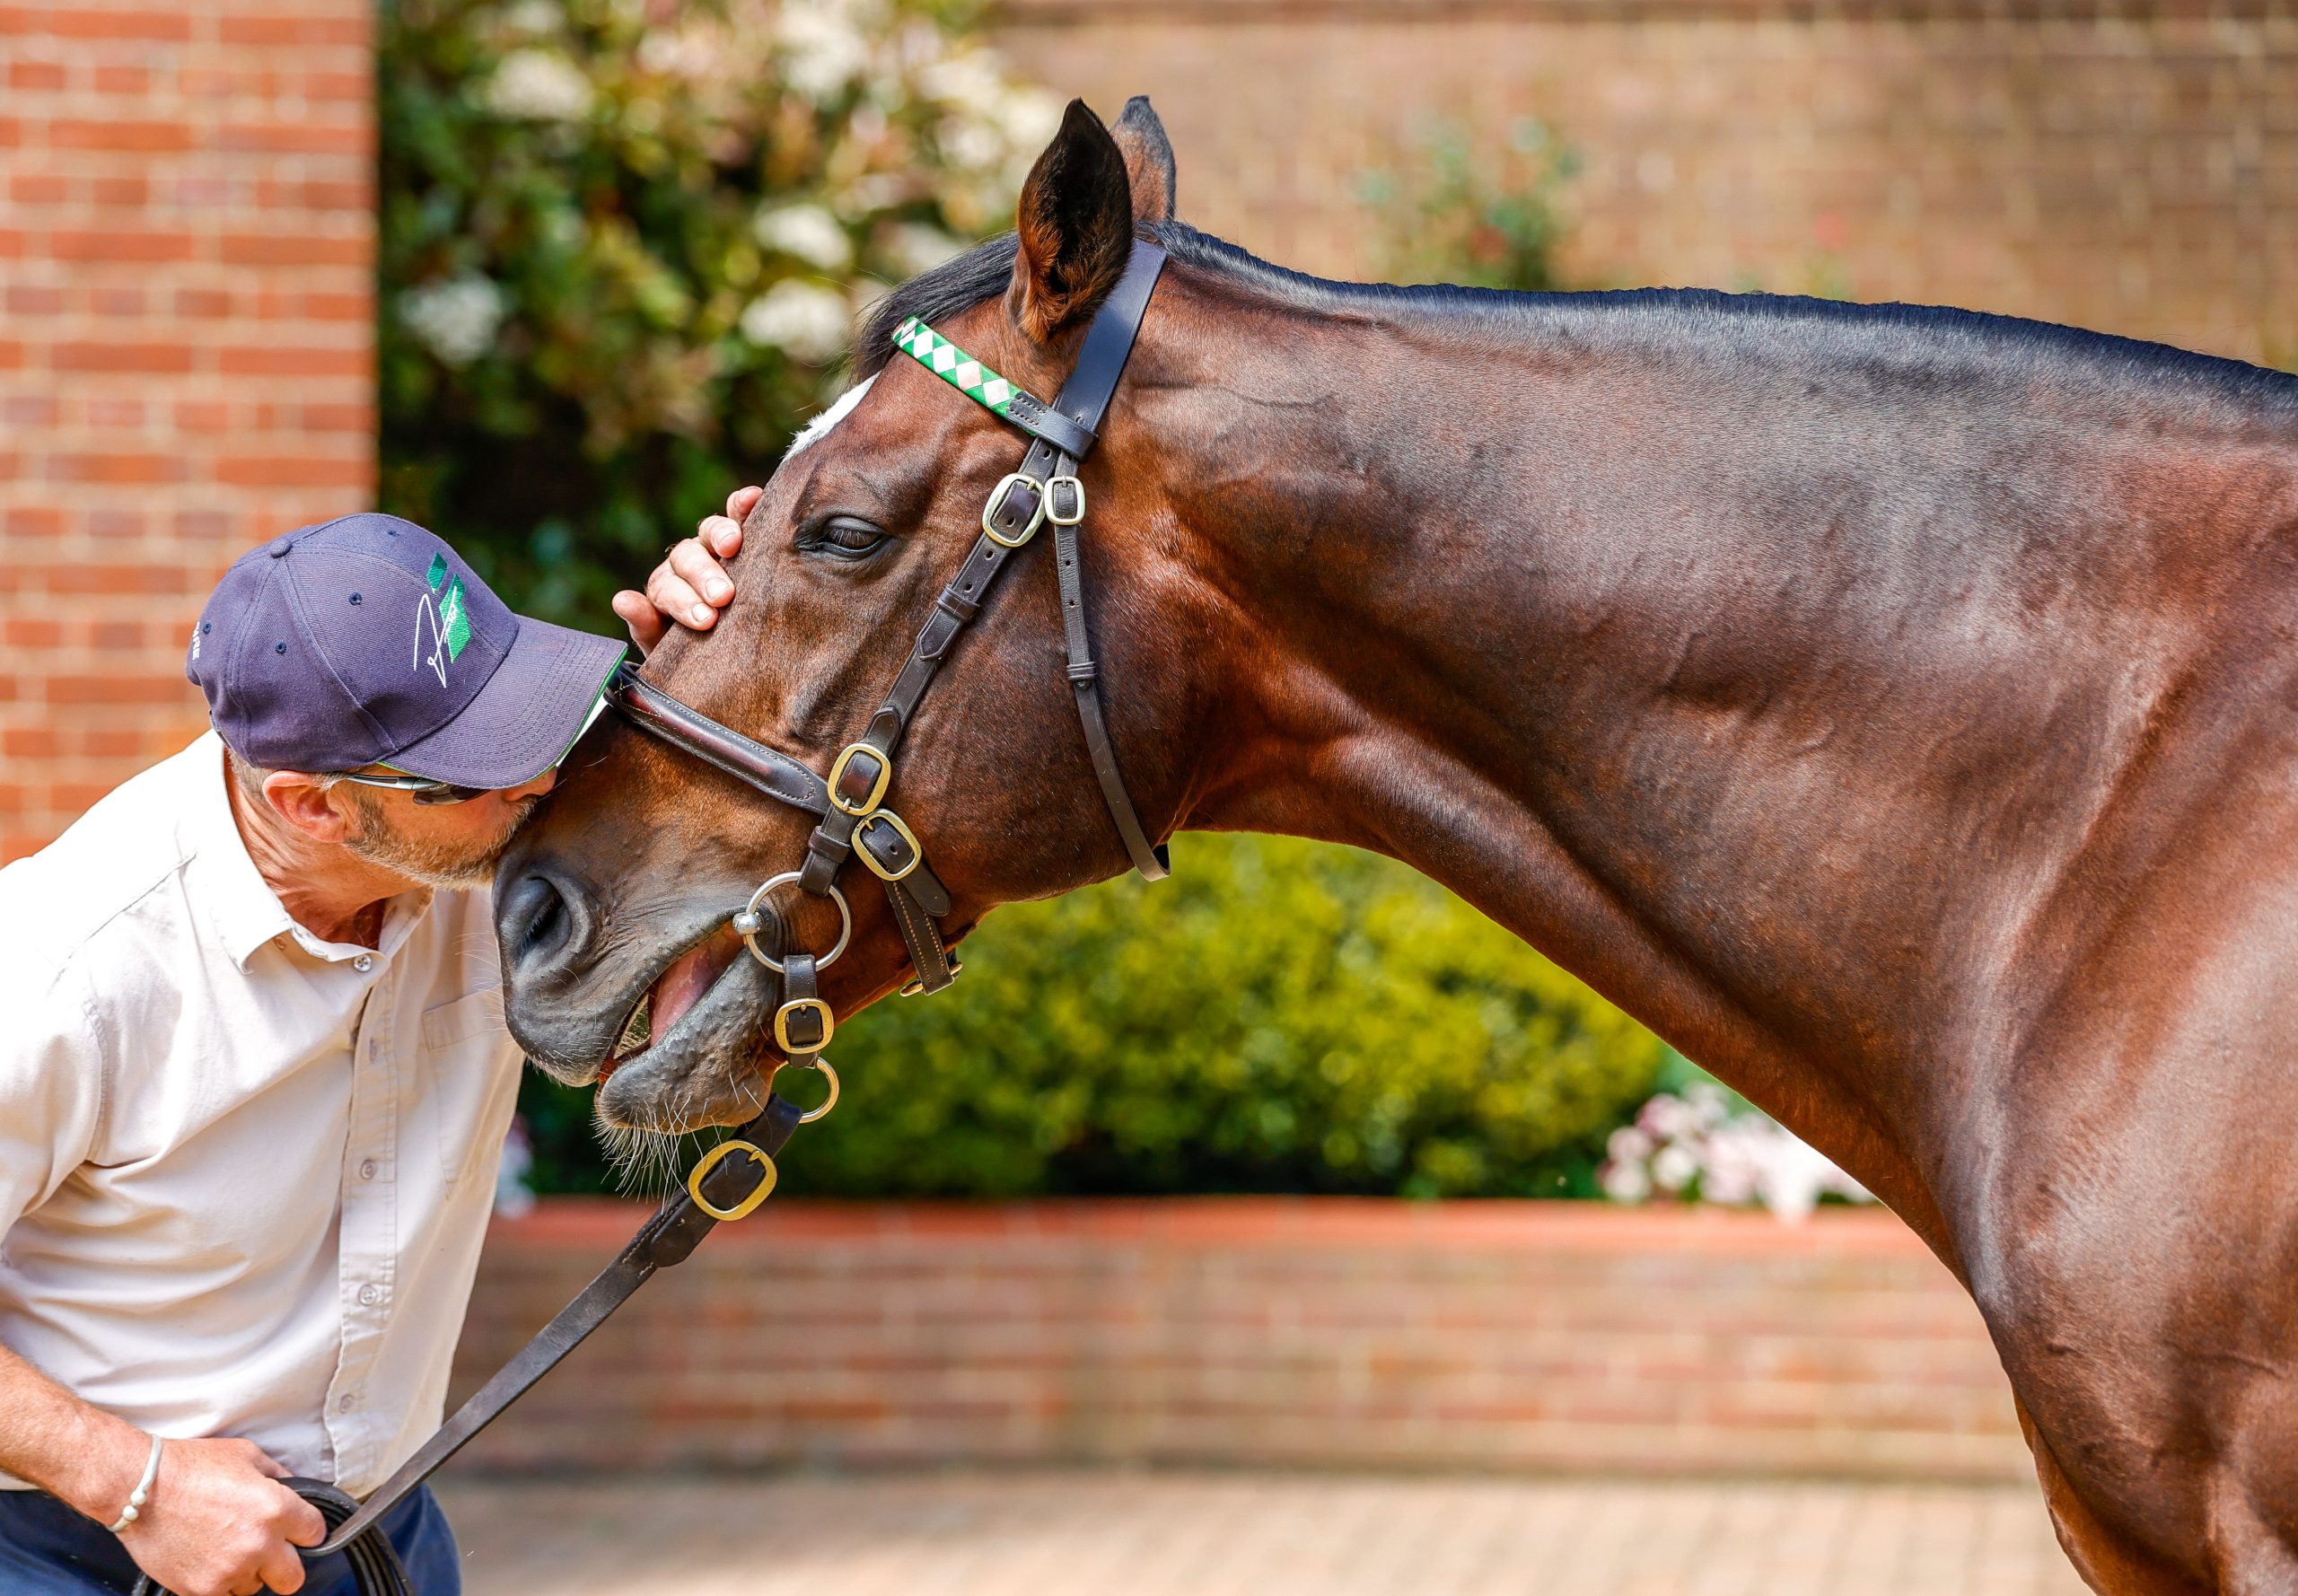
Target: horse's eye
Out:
[847,537]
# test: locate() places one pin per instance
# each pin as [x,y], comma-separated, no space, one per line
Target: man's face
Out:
[440,844]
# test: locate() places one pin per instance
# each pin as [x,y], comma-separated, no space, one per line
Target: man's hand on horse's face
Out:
[689,587]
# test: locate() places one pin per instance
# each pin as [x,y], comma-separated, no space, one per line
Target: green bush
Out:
[622,250]
[1280,1016]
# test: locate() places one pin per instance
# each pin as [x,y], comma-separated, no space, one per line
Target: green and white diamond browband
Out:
[954,366]
[1006,399]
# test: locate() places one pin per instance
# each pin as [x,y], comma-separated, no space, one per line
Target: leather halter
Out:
[851,818]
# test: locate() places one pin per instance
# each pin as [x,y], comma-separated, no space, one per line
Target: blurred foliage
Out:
[623,242]
[1456,214]
[1280,1016]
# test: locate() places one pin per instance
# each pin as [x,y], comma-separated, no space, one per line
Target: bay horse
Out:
[1896,709]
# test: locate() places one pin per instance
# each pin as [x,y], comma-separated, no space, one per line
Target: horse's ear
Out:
[1075,223]
[1148,160]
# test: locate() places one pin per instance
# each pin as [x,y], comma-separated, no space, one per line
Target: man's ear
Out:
[1148,160]
[1075,223]
[305,803]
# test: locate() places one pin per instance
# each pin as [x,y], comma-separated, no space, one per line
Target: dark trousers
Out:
[47,1549]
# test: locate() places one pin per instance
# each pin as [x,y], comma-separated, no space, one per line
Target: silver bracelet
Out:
[143,1492]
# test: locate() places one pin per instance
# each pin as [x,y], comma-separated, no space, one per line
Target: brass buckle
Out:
[711,1161]
[799,1005]
[1053,484]
[870,859]
[877,789]
[997,497]
[916,986]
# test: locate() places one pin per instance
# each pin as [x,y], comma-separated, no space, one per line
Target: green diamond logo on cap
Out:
[438,569]
[454,619]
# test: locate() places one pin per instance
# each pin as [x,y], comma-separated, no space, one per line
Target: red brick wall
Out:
[1466,1335]
[187,309]
[2127,166]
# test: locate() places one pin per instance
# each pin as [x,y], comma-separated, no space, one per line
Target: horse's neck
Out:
[1752,707]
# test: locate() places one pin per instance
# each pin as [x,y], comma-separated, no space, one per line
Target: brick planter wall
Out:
[1537,1336]
[187,310]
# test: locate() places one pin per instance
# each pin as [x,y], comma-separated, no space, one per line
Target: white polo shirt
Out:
[244,1173]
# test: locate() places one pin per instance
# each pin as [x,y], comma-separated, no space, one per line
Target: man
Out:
[254,1081]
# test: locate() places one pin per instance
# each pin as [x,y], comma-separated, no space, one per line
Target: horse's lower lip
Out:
[684,982]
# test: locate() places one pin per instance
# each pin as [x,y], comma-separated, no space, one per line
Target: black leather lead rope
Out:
[733,1179]
[375,1567]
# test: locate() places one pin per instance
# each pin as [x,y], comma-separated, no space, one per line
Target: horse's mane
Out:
[1917,335]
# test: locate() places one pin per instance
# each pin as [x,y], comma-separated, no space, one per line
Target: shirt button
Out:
[346,1402]
[367,1169]
[363,964]
[369,1295]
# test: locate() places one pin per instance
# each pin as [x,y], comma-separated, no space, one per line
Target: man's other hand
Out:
[689,587]
[219,1522]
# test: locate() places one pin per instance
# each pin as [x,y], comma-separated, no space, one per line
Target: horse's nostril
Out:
[534,919]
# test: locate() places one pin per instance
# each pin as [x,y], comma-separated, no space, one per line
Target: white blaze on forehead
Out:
[822,423]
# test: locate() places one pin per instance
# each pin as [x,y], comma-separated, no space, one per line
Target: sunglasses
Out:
[424,789]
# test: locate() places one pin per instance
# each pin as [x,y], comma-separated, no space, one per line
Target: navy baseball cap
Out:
[366,641]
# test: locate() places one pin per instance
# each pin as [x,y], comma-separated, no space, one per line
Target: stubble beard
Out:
[455,866]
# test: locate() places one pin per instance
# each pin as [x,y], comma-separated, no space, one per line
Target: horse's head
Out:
[622,889]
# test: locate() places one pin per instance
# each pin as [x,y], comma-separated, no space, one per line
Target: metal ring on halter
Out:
[748,923]
[828,1103]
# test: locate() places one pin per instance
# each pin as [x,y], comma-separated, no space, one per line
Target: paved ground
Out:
[1205,1534]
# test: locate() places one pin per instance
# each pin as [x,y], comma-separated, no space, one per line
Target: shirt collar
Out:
[240,904]
[244,910]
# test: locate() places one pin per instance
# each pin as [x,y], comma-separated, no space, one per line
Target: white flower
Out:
[1629,1144]
[806,232]
[1668,1117]
[534,16]
[873,191]
[1732,1159]
[807,322]
[1623,1182]
[456,319]
[914,247]
[538,85]
[689,53]
[964,79]
[1674,1167]
[1029,117]
[822,51]
[972,144]
[1737,1160]
[1709,1106]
